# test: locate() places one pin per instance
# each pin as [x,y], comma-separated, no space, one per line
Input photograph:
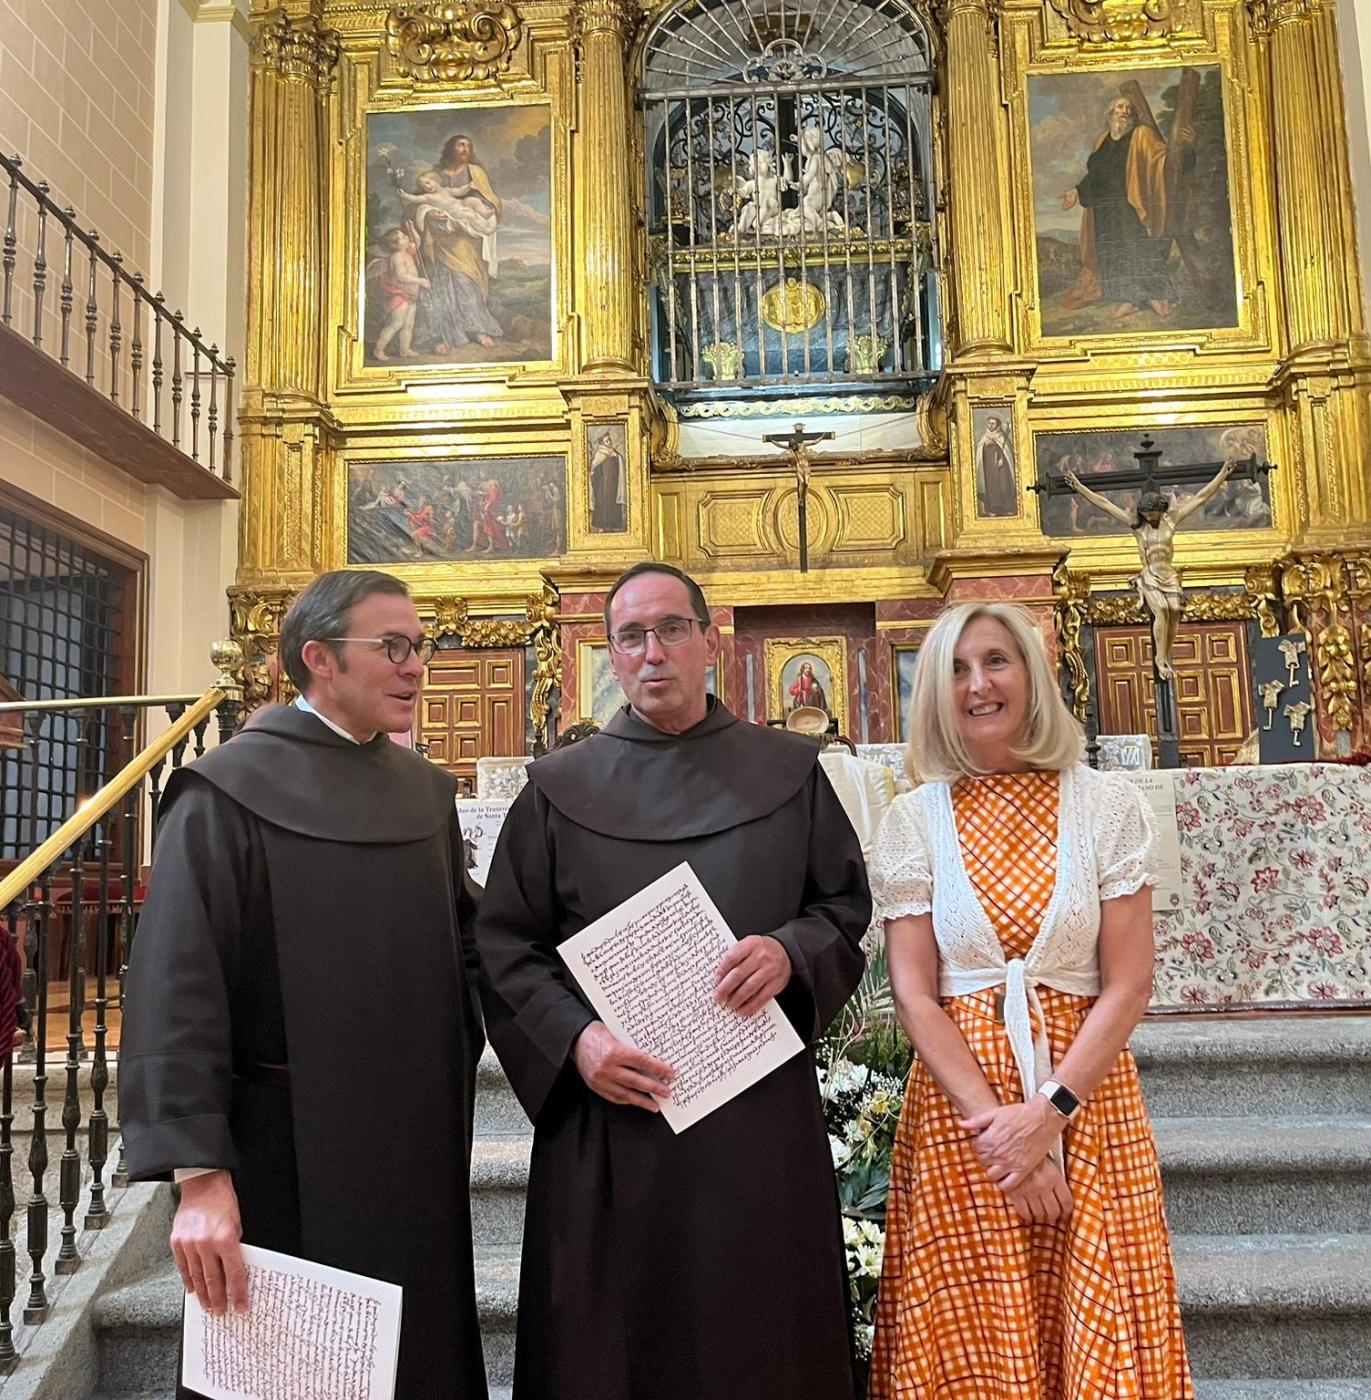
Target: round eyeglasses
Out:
[398,648]
[670,631]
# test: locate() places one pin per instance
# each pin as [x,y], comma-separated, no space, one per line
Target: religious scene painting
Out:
[456,510]
[1239,505]
[997,493]
[806,671]
[607,455]
[1133,222]
[458,236]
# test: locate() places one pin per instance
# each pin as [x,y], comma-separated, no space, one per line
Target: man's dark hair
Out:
[651,566]
[1153,500]
[323,610]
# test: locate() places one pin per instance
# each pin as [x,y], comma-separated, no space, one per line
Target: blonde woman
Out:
[1026,1256]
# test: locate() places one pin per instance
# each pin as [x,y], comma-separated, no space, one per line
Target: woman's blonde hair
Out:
[1052,736]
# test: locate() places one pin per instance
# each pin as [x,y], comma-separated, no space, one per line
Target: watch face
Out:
[1064,1101]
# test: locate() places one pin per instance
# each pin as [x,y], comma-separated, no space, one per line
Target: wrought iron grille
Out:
[64,628]
[790,195]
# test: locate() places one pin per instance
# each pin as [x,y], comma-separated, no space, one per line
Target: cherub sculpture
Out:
[761,195]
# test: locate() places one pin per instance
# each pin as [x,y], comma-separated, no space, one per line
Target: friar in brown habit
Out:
[301,1031]
[707,1265]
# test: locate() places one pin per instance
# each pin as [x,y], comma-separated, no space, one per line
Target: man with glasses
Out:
[707,1265]
[301,1032]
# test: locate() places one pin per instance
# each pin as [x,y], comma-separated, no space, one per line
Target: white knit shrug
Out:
[1104,850]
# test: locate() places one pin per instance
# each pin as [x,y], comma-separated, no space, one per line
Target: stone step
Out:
[499,1179]
[1283,1390]
[1194,1067]
[498,1112]
[1252,1176]
[137,1330]
[497,1302]
[138,1326]
[1276,1307]
[1292,1176]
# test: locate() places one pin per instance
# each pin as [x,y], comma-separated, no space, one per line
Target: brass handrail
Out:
[80,822]
[96,702]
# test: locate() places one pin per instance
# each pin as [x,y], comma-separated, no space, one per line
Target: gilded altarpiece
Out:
[1238,306]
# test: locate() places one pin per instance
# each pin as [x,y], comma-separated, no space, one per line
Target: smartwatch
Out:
[1061,1098]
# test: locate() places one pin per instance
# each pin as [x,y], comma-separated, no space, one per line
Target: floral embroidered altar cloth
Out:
[1276,874]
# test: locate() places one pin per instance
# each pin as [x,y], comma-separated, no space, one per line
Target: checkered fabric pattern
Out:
[975,1303]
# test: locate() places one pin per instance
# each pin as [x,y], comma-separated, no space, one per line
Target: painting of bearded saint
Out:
[1133,220]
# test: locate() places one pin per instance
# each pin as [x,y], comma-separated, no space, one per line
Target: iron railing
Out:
[99,321]
[83,880]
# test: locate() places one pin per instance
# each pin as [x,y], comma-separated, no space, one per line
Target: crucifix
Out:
[797,444]
[1153,526]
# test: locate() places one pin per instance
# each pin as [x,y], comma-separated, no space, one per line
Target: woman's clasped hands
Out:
[1013,1142]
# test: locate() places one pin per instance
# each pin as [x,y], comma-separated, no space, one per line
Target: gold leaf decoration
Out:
[442,43]
[1108,21]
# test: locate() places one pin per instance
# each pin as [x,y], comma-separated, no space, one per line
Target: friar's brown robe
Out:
[705,1265]
[307,909]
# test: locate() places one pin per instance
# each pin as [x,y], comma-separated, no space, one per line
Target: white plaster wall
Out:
[137,114]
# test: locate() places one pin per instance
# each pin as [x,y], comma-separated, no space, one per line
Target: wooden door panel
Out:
[473,707]
[1213,687]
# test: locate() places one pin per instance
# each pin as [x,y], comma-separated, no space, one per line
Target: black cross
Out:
[1148,474]
[797,444]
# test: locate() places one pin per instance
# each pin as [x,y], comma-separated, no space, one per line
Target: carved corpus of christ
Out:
[1153,527]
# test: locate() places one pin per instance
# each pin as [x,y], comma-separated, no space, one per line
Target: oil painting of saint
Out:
[997,494]
[1131,203]
[458,232]
[605,444]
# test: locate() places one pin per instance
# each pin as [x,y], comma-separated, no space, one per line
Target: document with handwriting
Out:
[648,969]
[310,1333]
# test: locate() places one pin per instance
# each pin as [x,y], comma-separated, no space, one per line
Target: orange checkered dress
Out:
[975,1303]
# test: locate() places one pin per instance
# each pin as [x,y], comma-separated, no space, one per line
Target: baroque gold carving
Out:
[1316,588]
[1073,594]
[1263,588]
[541,610]
[1117,610]
[1101,21]
[453,43]
[1219,607]
[1269,14]
[256,627]
[449,618]
[300,49]
[496,632]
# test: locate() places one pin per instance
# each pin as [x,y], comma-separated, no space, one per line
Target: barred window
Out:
[67,629]
[790,196]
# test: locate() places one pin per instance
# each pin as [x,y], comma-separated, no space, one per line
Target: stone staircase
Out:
[1264,1128]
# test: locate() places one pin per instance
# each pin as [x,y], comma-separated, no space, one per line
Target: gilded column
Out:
[980,251]
[1313,185]
[604,229]
[294,55]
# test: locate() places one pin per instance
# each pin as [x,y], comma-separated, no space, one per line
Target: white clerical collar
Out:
[302,704]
